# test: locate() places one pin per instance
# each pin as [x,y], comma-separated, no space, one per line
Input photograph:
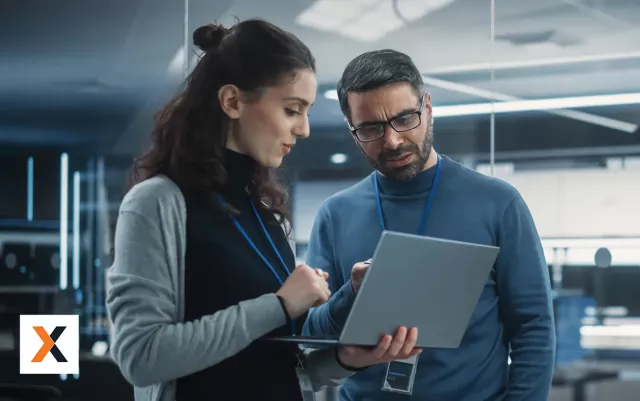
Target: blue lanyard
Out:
[257,251]
[427,207]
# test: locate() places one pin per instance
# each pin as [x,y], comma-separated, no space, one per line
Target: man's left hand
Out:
[400,346]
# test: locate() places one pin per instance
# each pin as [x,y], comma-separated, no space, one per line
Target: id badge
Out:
[306,388]
[400,376]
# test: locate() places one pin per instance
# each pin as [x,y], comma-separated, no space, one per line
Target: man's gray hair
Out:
[374,69]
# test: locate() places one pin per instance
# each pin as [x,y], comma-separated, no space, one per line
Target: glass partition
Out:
[567,85]
[567,99]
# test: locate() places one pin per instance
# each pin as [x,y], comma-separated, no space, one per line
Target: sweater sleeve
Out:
[525,304]
[148,342]
[329,318]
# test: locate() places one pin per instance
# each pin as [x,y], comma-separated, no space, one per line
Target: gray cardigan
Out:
[150,342]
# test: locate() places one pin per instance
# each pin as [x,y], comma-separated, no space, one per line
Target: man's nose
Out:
[392,138]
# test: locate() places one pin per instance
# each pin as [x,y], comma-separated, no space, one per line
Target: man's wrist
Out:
[340,304]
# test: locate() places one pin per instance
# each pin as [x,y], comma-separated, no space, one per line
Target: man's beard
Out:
[408,172]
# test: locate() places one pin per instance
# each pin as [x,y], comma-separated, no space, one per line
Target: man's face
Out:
[399,155]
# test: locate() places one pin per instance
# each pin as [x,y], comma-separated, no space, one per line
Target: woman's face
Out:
[268,127]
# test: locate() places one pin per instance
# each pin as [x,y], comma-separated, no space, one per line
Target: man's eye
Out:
[403,119]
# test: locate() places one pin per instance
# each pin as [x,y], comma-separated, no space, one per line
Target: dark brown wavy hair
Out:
[190,132]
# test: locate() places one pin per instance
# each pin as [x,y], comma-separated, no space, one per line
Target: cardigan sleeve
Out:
[324,369]
[149,343]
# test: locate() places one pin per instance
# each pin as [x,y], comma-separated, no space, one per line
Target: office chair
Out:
[28,392]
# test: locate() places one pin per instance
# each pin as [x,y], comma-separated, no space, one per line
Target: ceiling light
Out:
[329,15]
[412,10]
[331,94]
[365,20]
[372,24]
[529,63]
[572,114]
[527,105]
[338,158]
[537,105]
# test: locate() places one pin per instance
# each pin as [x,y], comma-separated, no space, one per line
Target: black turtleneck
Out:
[222,270]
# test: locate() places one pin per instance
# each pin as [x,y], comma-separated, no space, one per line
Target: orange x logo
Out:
[49,344]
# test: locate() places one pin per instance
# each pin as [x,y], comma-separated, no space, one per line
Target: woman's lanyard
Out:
[257,251]
[427,207]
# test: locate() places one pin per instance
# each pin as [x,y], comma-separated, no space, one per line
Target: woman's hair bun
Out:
[208,37]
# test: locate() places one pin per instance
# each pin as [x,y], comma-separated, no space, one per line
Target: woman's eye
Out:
[291,112]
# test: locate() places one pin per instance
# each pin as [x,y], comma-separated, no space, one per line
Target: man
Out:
[416,190]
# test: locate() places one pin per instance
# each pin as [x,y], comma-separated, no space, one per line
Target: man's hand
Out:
[400,346]
[357,274]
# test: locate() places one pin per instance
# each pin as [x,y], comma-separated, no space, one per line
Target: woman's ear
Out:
[229,97]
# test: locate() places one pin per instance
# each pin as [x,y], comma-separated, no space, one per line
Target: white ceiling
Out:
[458,37]
[591,46]
[115,55]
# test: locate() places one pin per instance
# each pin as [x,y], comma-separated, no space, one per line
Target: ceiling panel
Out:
[69,64]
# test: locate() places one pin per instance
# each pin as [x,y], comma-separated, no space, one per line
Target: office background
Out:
[543,94]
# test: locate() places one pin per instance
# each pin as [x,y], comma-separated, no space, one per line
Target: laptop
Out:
[415,281]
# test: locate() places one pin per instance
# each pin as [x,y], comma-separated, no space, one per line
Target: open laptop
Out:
[415,281]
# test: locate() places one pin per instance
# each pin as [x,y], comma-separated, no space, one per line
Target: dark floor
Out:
[99,380]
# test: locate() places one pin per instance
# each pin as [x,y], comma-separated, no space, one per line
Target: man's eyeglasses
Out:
[401,123]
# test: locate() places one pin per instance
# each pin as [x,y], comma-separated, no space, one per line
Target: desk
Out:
[579,378]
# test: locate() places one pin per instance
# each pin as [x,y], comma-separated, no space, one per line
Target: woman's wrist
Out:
[284,309]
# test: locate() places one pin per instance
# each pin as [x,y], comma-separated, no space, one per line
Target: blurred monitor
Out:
[611,287]
[570,312]
[28,265]
[15,264]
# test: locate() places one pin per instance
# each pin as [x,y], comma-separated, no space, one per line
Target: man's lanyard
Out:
[257,251]
[427,207]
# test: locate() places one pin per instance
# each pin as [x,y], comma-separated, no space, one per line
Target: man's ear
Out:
[348,123]
[229,97]
[427,103]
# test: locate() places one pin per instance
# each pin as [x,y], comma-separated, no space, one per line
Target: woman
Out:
[202,268]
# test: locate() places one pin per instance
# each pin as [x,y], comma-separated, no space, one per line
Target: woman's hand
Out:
[304,289]
[400,346]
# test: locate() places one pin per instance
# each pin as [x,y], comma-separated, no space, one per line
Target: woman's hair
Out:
[190,132]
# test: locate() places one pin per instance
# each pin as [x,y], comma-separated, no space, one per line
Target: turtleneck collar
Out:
[240,170]
[421,183]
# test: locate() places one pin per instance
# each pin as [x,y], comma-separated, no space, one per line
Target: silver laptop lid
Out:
[416,281]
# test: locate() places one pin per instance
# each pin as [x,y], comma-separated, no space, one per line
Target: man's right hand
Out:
[304,289]
[357,274]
